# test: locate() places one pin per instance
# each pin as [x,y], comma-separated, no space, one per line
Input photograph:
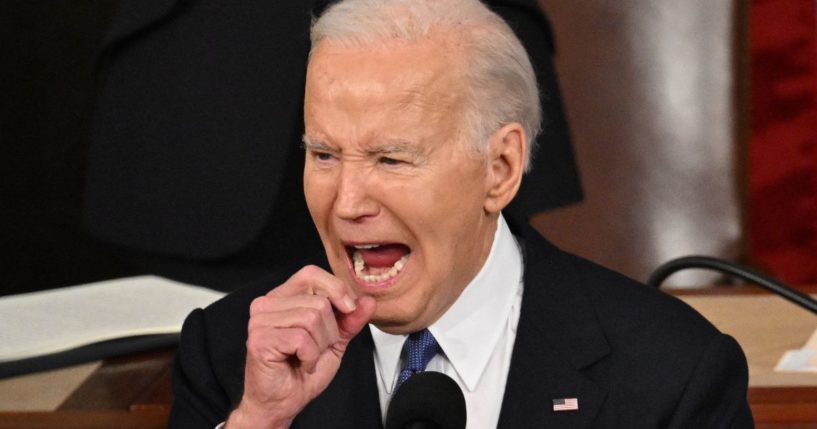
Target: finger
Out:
[313,280]
[271,304]
[321,327]
[265,304]
[278,345]
[351,324]
[308,352]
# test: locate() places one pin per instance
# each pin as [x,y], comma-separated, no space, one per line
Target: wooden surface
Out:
[134,391]
[766,326]
[44,390]
[784,407]
[124,392]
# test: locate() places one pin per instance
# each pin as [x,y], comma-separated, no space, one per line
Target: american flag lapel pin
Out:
[565,404]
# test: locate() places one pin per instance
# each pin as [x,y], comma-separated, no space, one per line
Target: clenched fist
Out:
[297,335]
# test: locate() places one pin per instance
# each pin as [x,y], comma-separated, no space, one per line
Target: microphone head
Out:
[427,399]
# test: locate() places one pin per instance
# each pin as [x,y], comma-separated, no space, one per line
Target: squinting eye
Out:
[323,156]
[390,161]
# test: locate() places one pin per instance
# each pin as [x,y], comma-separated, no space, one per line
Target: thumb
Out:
[351,324]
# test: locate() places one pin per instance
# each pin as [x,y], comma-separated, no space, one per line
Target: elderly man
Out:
[419,118]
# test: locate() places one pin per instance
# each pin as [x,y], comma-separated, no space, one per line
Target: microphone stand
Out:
[720,265]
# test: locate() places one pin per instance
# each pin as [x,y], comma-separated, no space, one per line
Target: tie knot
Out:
[419,348]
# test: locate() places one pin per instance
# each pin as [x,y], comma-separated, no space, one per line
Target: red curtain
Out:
[783,146]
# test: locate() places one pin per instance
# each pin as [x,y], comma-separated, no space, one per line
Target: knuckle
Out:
[310,270]
[257,305]
[300,337]
[255,332]
[323,306]
[312,317]
[254,325]
[256,346]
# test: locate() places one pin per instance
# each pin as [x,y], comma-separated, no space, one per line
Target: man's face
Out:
[394,189]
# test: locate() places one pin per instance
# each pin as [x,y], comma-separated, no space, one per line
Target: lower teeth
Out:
[383,273]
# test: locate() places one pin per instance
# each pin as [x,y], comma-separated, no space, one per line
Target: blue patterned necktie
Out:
[418,349]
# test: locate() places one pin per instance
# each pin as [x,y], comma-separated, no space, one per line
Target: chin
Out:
[394,318]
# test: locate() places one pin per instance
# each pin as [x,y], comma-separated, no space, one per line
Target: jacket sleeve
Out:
[716,394]
[199,400]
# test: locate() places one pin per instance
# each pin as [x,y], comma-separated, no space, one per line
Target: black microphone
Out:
[427,400]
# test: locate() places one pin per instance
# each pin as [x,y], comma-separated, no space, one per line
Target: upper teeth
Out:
[366,246]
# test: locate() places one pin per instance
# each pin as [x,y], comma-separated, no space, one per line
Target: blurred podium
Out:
[134,391]
[128,392]
[766,326]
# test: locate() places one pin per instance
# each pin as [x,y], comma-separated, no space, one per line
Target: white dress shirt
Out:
[476,335]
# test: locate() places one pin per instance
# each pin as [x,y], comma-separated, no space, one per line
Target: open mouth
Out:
[378,262]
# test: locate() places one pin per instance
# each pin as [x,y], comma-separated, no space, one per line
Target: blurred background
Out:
[694,126]
[695,129]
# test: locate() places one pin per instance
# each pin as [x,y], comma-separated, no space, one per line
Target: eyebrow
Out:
[311,144]
[394,146]
[390,146]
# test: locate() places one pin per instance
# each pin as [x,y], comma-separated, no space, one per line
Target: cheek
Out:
[318,195]
[449,210]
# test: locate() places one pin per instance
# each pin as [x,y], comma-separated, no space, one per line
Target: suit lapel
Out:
[351,400]
[557,337]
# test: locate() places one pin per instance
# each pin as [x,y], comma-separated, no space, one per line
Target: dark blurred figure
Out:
[194,165]
[47,68]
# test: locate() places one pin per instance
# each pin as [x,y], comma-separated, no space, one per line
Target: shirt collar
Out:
[469,331]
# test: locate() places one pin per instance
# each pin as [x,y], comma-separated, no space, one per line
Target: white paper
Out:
[800,360]
[38,323]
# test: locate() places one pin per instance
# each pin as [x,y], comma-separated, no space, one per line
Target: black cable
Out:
[707,262]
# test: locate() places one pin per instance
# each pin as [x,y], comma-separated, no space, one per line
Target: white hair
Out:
[501,85]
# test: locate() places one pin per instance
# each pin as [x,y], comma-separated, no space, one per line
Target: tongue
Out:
[383,256]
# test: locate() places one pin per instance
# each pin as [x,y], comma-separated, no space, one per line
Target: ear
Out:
[507,150]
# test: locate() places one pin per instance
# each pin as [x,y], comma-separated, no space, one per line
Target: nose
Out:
[354,200]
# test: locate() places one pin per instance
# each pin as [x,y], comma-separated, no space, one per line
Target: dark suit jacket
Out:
[195,140]
[633,356]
